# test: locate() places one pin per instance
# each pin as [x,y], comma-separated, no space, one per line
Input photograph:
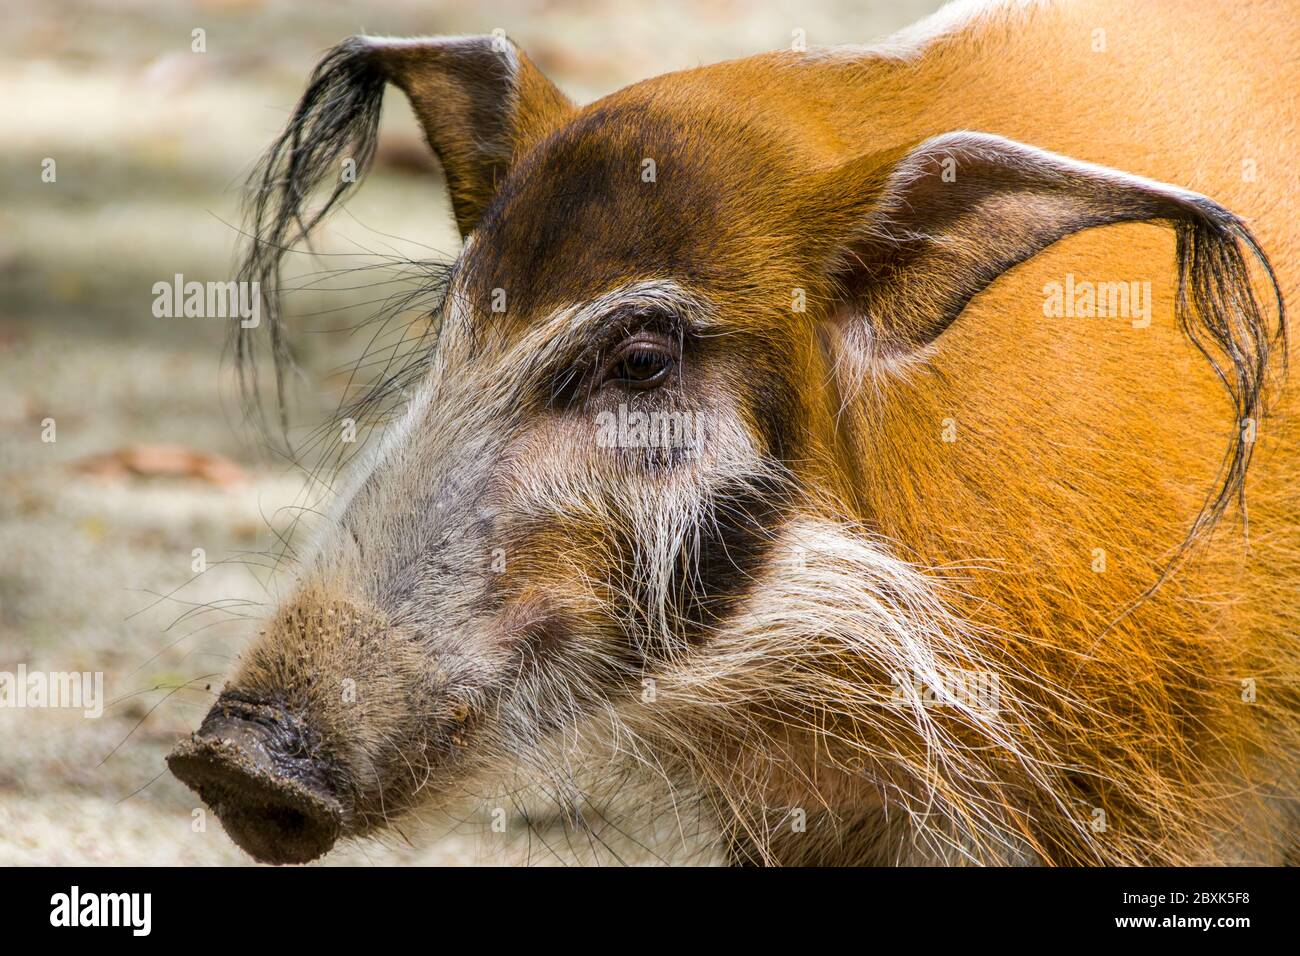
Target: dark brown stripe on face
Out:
[739,533]
[733,549]
[774,404]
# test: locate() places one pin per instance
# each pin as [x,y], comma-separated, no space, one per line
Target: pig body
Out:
[943,571]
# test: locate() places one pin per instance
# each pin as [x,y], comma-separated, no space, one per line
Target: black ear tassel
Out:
[337,119]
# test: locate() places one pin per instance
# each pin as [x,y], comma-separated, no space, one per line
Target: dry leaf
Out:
[167,461]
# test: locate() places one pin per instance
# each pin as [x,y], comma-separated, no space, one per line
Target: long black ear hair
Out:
[336,119]
[481,103]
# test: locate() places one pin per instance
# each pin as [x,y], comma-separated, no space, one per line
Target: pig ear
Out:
[926,229]
[481,103]
[480,100]
[923,230]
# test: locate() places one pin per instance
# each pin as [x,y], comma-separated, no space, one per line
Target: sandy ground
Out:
[150,141]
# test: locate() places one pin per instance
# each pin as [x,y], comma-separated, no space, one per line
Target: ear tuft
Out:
[480,101]
[337,117]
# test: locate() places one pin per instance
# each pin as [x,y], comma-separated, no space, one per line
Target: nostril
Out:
[272,801]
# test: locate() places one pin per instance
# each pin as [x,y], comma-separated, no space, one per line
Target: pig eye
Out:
[643,362]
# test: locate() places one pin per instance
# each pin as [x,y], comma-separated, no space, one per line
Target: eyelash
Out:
[597,370]
[642,363]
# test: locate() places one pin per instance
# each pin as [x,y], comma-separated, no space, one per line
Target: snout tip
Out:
[273,815]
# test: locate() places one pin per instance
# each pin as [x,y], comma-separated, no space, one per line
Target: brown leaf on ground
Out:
[12,336]
[163,461]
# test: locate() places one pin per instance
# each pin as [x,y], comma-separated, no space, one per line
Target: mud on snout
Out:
[293,757]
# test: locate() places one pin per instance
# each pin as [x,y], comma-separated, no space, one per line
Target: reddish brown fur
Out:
[1071,435]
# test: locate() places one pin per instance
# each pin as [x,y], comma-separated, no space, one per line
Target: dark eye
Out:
[642,363]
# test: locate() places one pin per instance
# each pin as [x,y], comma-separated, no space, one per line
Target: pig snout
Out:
[252,763]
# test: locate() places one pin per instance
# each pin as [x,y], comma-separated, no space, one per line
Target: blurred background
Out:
[125,464]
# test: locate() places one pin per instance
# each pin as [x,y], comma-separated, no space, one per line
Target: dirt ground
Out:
[149,141]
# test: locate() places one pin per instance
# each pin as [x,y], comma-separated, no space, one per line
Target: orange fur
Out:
[1012,495]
